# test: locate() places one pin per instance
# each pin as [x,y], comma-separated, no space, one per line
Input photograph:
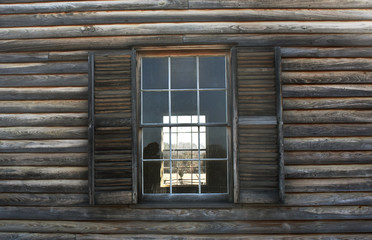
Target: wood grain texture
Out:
[42,186]
[43,56]
[327,77]
[327,116]
[37,236]
[326,64]
[328,103]
[42,120]
[327,90]
[43,199]
[53,106]
[39,172]
[43,133]
[269,27]
[49,80]
[330,199]
[328,185]
[328,144]
[47,68]
[190,15]
[328,157]
[43,145]
[232,227]
[327,130]
[328,171]
[329,52]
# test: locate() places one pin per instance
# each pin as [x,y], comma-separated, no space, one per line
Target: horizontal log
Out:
[43,159]
[324,199]
[49,199]
[44,93]
[38,236]
[327,130]
[186,213]
[269,27]
[78,6]
[328,157]
[328,185]
[44,186]
[328,171]
[328,90]
[43,56]
[53,106]
[46,68]
[327,103]
[39,172]
[120,42]
[278,4]
[43,146]
[65,80]
[326,77]
[325,52]
[326,64]
[200,236]
[43,133]
[47,119]
[212,227]
[331,144]
[327,116]
[191,15]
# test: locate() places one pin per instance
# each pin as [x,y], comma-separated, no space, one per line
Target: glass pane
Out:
[185,176]
[183,104]
[183,73]
[154,179]
[217,99]
[184,142]
[212,72]
[216,142]
[155,73]
[216,176]
[155,106]
[155,141]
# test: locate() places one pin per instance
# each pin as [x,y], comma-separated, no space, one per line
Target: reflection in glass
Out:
[212,72]
[183,73]
[153,142]
[216,177]
[216,142]
[185,177]
[155,106]
[153,181]
[155,73]
[217,99]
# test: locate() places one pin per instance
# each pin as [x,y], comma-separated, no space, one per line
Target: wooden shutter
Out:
[111,129]
[259,162]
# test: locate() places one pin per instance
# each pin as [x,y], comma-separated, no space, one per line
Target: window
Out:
[184,125]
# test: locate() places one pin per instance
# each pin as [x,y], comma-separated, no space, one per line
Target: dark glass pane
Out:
[155,175]
[185,176]
[155,143]
[155,73]
[183,73]
[216,142]
[183,104]
[155,107]
[213,105]
[212,72]
[216,176]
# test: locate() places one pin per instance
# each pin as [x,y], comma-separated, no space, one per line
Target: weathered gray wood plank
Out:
[329,185]
[326,64]
[43,120]
[53,106]
[328,157]
[328,171]
[43,159]
[331,199]
[329,52]
[55,80]
[269,27]
[191,15]
[325,143]
[39,172]
[328,103]
[327,116]
[328,90]
[37,236]
[43,199]
[279,4]
[77,6]
[43,145]
[186,213]
[49,93]
[42,186]
[327,130]
[43,56]
[215,227]
[326,77]
[46,68]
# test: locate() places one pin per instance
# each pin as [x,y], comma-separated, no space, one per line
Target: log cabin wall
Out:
[326,50]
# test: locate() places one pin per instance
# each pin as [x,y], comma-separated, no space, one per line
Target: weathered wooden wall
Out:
[327,98]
